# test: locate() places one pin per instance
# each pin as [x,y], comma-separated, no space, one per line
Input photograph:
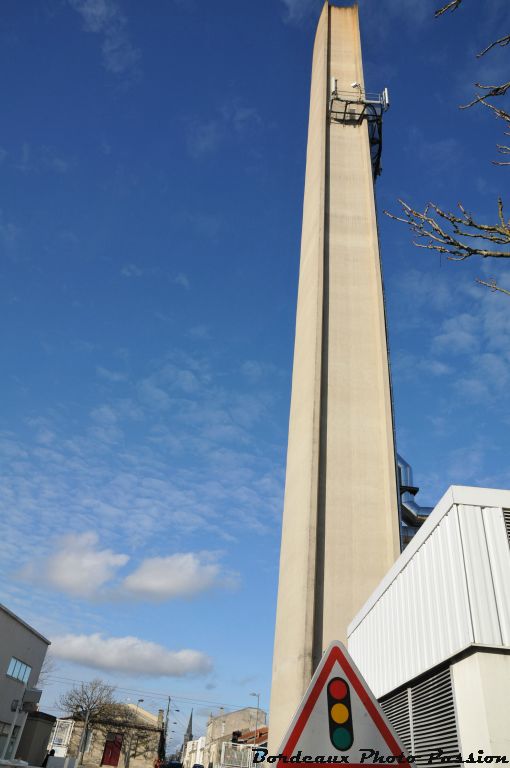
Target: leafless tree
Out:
[460,235]
[91,702]
[94,704]
[96,698]
[49,667]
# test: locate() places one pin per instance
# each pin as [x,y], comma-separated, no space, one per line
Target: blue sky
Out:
[153,166]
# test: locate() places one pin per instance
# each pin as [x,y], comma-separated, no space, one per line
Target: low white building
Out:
[194,753]
[433,640]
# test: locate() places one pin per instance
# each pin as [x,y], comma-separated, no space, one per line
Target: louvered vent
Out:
[506,518]
[433,722]
[396,709]
[423,717]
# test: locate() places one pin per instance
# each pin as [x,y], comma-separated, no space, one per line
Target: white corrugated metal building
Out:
[433,640]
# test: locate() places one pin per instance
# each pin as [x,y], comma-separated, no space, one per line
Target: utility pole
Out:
[166,722]
[167,719]
[83,739]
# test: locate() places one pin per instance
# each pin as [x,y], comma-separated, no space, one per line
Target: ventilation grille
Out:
[433,725]
[423,717]
[396,710]
[506,518]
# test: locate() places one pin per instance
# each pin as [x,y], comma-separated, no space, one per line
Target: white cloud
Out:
[131,270]
[104,18]
[298,9]
[179,575]
[413,10]
[204,138]
[109,375]
[152,395]
[104,414]
[200,332]
[129,486]
[459,334]
[183,280]
[129,655]
[436,367]
[417,290]
[77,567]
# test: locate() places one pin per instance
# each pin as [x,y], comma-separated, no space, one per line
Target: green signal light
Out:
[342,739]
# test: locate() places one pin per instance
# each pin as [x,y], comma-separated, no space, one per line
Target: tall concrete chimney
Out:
[340,522]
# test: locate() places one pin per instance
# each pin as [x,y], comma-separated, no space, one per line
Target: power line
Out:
[158,694]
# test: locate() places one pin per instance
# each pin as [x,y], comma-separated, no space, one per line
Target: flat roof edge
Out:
[24,623]
[456,494]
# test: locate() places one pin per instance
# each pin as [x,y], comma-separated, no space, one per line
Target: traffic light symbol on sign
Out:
[340,714]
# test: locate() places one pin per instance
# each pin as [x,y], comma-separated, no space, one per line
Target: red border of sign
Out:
[336,654]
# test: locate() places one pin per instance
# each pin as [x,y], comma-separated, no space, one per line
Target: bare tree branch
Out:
[502,42]
[492,90]
[96,697]
[501,113]
[492,285]
[454,235]
[49,667]
[451,6]
[460,235]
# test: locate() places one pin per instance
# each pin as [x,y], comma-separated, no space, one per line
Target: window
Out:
[19,670]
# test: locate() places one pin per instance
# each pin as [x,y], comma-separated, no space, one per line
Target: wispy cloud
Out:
[412,10]
[42,158]
[182,280]
[201,332]
[105,19]
[172,462]
[141,484]
[179,575]
[129,655]
[131,270]
[459,334]
[205,138]
[296,10]
[112,376]
[80,567]
[77,567]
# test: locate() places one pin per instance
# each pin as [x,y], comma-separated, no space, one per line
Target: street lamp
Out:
[256,715]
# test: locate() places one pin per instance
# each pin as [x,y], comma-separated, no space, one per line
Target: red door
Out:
[112,747]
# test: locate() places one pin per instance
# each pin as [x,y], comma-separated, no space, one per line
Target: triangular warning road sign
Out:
[339,719]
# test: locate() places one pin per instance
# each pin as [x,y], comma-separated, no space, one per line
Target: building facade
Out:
[22,652]
[33,745]
[194,753]
[133,738]
[433,640]
[229,727]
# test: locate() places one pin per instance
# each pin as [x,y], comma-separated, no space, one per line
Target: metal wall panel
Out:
[479,577]
[499,559]
[450,588]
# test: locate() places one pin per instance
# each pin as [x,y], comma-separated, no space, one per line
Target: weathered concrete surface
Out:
[340,521]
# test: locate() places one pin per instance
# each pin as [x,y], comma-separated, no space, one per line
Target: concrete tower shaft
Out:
[340,521]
